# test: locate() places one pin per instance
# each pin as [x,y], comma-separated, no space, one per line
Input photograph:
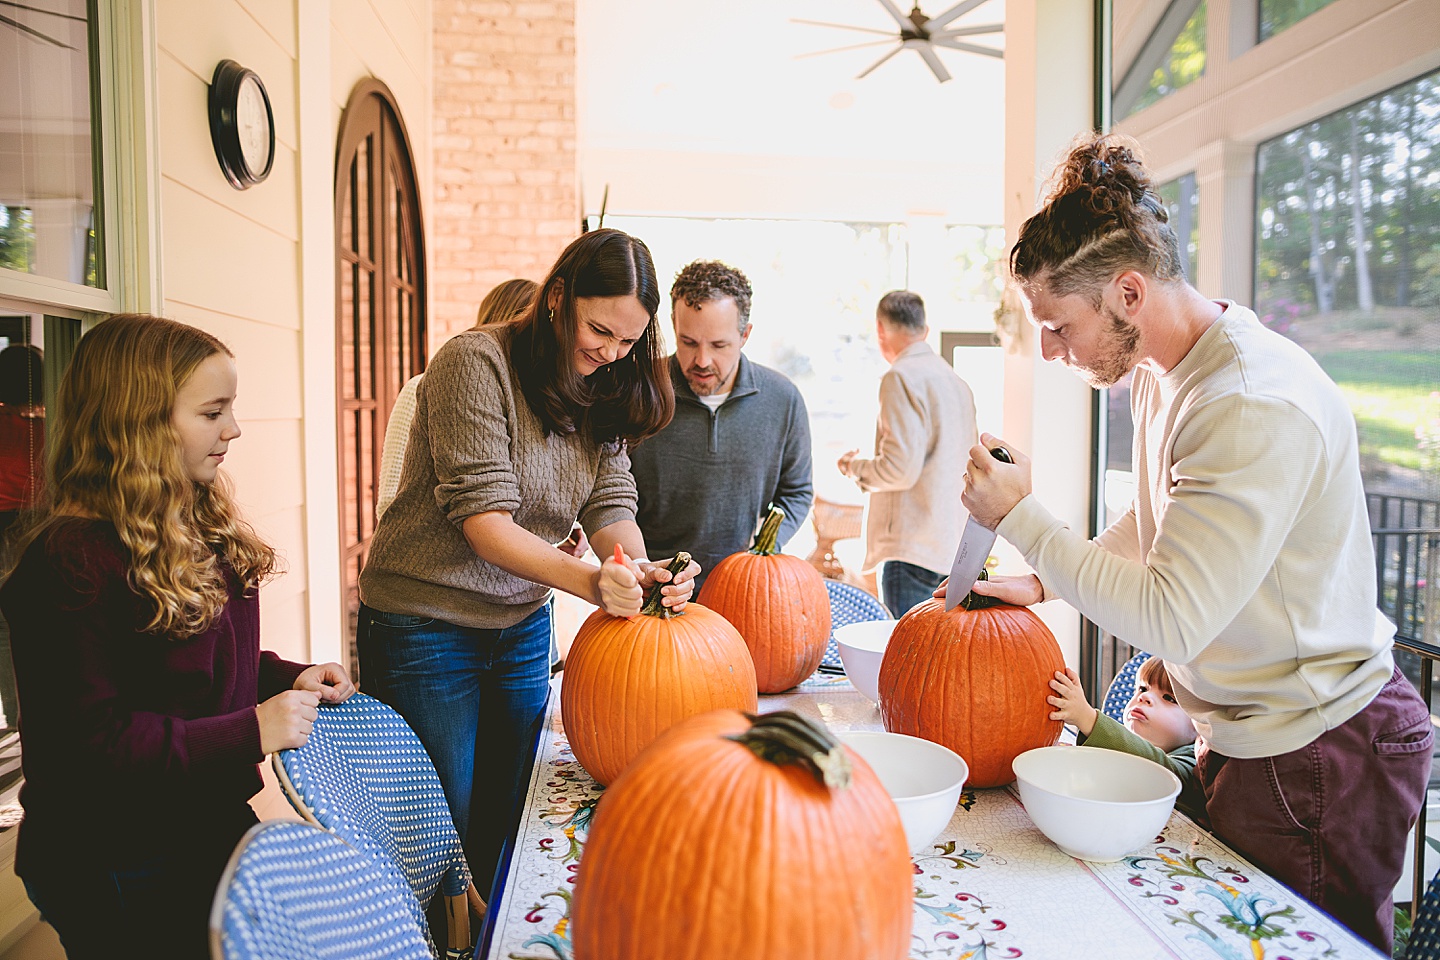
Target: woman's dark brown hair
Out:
[1104,217]
[629,399]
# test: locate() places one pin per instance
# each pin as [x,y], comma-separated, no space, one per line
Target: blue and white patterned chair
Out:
[365,775]
[1425,934]
[848,604]
[1122,688]
[295,892]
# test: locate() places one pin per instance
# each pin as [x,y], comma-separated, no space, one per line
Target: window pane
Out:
[1276,15]
[1171,55]
[48,190]
[1182,202]
[1347,264]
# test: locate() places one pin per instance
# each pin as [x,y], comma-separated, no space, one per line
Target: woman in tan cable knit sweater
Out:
[520,430]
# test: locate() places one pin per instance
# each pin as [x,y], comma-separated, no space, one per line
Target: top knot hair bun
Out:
[1110,180]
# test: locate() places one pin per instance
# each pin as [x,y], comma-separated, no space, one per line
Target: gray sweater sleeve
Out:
[795,491]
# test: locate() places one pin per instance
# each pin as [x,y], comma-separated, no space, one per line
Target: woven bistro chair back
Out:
[848,604]
[365,775]
[1122,688]
[295,892]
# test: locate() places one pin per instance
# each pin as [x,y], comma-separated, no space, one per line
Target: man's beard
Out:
[705,389]
[1119,351]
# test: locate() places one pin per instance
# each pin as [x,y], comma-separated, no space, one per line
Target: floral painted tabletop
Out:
[992,886]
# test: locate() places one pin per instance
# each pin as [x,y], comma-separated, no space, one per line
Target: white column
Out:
[1048,83]
[317,302]
[1225,177]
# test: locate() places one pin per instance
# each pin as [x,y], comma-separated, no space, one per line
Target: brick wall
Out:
[505,200]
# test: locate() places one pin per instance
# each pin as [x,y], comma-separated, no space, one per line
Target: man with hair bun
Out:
[1245,560]
[740,438]
[923,433]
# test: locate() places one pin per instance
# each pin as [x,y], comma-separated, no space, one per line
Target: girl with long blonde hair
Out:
[133,606]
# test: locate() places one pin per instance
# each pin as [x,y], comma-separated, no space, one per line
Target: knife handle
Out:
[1001,454]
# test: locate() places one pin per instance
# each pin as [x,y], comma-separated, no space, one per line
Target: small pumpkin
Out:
[778,603]
[974,680]
[628,680]
[735,836]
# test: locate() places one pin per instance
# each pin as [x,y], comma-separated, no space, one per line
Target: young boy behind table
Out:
[1155,727]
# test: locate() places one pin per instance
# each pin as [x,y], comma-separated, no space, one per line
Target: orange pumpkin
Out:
[778,603]
[972,680]
[736,837]
[627,681]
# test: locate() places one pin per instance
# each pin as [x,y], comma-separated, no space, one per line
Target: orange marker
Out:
[619,555]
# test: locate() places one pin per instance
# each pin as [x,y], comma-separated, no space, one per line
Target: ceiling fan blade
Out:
[938,21]
[949,44]
[844,26]
[928,54]
[900,18]
[853,46]
[871,69]
[974,31]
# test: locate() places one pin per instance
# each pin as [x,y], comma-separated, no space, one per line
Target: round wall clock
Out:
[242,126]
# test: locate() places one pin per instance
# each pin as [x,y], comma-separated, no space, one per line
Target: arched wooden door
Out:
[379,307]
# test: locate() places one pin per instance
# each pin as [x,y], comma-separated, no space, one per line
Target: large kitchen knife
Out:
[975,544]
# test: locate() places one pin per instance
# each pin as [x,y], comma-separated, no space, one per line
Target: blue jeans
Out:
[476,699]
[902,585]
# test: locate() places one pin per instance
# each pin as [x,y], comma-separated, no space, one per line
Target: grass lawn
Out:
[1390,394]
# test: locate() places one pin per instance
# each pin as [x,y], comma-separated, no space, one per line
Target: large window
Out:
[1347,264]
[1171,55]
[816,286]
[1276,15]
[49,183]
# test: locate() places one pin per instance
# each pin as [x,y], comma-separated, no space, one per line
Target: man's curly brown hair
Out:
[705,280]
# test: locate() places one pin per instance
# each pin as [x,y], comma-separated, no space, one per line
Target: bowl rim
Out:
[843,631]
[844,736]
[1129,758]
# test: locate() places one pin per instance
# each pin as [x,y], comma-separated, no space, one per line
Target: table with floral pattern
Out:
[991,886]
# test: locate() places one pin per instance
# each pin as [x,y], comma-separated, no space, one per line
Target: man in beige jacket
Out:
[922,441]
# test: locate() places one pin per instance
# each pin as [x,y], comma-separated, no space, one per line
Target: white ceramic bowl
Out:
[1095,804]
[923,778]
[862,647]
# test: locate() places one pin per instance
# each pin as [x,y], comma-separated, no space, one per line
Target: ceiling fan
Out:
[921,34]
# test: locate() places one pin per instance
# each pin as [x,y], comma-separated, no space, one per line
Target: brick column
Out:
[505,201]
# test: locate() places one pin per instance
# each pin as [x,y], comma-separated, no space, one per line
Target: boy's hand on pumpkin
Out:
[618,586]
[1070,703]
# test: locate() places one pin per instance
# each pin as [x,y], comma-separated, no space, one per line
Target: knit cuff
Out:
[230,736]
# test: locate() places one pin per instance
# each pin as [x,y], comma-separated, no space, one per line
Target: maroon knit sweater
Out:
[131,742]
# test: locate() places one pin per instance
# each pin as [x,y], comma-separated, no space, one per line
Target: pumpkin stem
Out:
[653,606]
[786,737]
[979,601]
[765,540]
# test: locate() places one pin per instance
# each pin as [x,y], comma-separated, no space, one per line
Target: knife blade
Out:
[974,550]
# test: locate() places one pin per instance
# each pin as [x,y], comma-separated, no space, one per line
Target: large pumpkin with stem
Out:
[778,603]
[736,837]
[628,680]
[974,680]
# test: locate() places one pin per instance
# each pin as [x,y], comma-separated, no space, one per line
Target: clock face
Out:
[252,121]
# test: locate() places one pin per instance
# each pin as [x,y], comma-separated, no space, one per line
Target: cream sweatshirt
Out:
[1246,560]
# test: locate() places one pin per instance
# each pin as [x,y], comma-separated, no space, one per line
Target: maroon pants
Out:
[1330,820]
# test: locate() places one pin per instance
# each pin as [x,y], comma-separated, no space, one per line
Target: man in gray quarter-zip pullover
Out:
[739,441]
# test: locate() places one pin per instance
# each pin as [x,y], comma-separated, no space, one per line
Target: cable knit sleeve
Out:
[613,497]
[467,405]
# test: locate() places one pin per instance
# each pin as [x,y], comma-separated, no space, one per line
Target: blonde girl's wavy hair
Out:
[114,455]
